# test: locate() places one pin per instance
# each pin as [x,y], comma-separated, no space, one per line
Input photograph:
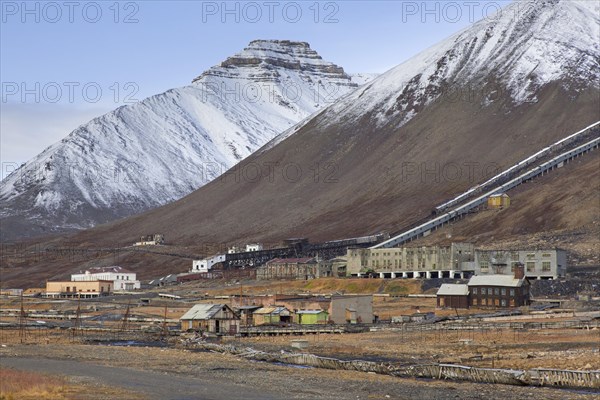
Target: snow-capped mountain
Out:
[158,150]
[386,154]
[517,51]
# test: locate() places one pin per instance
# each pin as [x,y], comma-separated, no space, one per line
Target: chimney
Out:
[519,271]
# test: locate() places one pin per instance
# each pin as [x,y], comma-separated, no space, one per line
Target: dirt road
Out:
[151,385]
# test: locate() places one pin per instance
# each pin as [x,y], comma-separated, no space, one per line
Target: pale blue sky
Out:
[55,49]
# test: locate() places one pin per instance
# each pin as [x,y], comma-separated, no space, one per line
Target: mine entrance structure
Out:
[299,247]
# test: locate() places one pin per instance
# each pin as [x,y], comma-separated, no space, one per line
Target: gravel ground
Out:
[168,373]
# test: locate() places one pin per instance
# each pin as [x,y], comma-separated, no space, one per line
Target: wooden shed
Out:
[213,318]
[452,295]
[272,315]
[312,317]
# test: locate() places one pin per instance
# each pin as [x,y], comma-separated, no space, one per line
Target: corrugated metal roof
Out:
[495,280]
[202,311]
[310,312]
[451,289]
[276,310]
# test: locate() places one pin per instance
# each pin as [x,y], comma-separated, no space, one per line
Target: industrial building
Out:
[82,289]
[539,264]
[122,278]
[351,309]
[412,262]
[294,268]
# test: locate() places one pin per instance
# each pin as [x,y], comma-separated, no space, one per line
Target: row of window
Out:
[514,255]
[493,291]
[492,302]
[530,265]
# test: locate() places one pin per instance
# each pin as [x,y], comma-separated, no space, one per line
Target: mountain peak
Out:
[266,59]
[198,132]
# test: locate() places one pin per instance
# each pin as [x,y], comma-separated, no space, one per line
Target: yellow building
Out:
[83,289]
[497,201]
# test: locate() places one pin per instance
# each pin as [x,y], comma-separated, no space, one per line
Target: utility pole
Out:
[77,323]
[164,327]
[241,294]
[22,322]
[124,324]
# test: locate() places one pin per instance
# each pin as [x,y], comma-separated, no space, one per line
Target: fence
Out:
[538,377]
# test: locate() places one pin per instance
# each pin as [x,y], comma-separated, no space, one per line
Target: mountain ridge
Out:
[155,151]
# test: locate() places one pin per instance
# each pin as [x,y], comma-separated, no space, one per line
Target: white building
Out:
[206,264]
[249,247]
[254,247]
[122,278]
[234,249]
[539,264]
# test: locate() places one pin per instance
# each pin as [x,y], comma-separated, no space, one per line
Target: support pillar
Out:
[428,274]
[405,274]
[381,275]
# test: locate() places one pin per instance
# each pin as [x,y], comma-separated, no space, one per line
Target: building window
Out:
[474,290]
[503,291]
[484,266]
[503,303]
[530,266]
[496,291]
[546,255]
[512,292]
[546,266]
[530,256]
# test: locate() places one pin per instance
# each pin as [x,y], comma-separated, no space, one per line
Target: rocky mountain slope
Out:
[389,152]
[143,155]
[385,155]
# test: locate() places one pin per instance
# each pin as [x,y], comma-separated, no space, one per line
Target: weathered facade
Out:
[487,291]
[272,315]
[351,309]
[151,240]
[294,268]
[498,291]
[453,296]
[83,289]
[539,264]
[412,262]
[213,318]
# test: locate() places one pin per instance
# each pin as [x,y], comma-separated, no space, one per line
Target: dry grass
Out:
[319,286]
[502,348]
[16,384]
